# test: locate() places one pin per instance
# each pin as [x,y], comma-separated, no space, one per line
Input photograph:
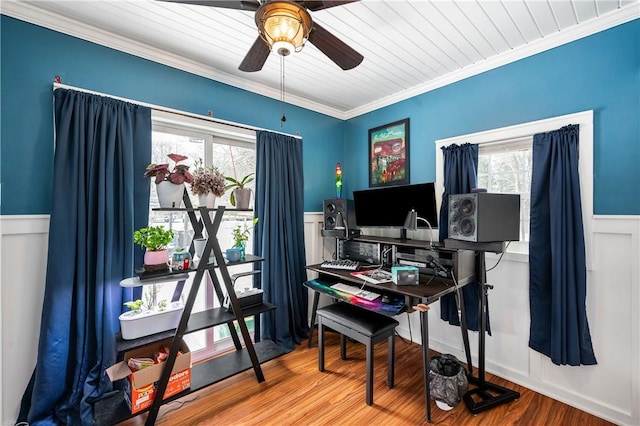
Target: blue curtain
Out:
[279,236]
[557,266]
[99,198]
[460,177]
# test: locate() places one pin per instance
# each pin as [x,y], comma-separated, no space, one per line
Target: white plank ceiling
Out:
[409,47]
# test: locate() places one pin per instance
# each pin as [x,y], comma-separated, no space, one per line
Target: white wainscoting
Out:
[609,390]
[23,254]
[317,249]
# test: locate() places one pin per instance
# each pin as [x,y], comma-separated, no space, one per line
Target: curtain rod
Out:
[171,110]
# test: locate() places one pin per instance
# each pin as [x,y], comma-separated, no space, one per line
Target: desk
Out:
[411,294]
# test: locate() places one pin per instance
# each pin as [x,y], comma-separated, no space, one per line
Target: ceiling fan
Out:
[284,26]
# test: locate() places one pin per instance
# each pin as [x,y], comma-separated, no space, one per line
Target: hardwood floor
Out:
[296,393]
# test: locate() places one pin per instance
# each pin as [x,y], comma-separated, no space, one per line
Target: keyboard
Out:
[356,291]
[344,264]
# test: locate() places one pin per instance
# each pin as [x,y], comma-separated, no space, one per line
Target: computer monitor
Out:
[388,207]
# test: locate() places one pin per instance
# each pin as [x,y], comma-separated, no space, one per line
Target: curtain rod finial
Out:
[57,79]
[210,113]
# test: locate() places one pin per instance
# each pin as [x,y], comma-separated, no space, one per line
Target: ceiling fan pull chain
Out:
[283,119]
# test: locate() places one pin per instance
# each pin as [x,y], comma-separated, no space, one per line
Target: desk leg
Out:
[424,328]
[314,308]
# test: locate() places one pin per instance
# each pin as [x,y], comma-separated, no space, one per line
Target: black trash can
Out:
[447,379]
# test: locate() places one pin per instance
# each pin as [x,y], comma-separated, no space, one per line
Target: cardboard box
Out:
[141,385]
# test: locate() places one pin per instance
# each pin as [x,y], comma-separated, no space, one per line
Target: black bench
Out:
[363,326]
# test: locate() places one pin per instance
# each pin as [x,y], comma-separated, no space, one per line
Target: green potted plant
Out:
[208,183]
[240,195]
[241,234]
[170,183]
[155,240]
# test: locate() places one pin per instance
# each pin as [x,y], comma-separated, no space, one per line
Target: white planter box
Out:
[133,326]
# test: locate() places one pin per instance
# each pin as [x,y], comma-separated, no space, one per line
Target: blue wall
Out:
[599,73]
[31,56]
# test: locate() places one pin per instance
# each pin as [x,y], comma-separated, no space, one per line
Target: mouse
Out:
[386,299]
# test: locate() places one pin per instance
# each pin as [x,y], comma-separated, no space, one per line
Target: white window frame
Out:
[520,251]
[510,146]
[213,132]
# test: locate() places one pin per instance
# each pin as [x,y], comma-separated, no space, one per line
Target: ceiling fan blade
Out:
[255,57]
[320,4]
[252,5]
[335,49]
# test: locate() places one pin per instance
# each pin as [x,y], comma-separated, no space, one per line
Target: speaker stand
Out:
[485,395]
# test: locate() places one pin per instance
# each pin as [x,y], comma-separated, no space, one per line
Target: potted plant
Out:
[240,236]
[170,183]
[208,183]
[240,196]
[155,240]
[149,316]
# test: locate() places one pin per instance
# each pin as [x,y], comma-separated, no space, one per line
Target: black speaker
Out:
[339,207]
[484,217]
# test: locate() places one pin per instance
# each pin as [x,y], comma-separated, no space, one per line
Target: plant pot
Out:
[198,248]
[169,194]
[134,325]
[156,260]
[243,197]
[234,254]
[207,200]
[240,247]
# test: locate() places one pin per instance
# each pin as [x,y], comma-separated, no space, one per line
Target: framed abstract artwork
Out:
[389,154]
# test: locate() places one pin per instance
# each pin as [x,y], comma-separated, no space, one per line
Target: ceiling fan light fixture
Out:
[283,25]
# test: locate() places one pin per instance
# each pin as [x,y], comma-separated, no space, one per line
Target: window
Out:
[505,167]
[502,155]
[232,151]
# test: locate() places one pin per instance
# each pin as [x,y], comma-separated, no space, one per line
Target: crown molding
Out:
[26,12]
[53,21]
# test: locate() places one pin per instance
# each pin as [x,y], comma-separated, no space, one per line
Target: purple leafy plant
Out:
[180,173]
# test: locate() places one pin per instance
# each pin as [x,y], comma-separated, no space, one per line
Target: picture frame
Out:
[389,154]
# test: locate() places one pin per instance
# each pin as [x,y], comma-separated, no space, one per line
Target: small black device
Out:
[359,251]
[246,298]
[344,264]
[484,217]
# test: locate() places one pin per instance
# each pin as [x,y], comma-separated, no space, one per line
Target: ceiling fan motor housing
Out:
[283,25]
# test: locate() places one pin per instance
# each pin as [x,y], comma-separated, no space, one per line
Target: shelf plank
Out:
[198,321]
[169,277]
[123,345]
[227,365]
[197,209]
[217,316]
[248,258]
